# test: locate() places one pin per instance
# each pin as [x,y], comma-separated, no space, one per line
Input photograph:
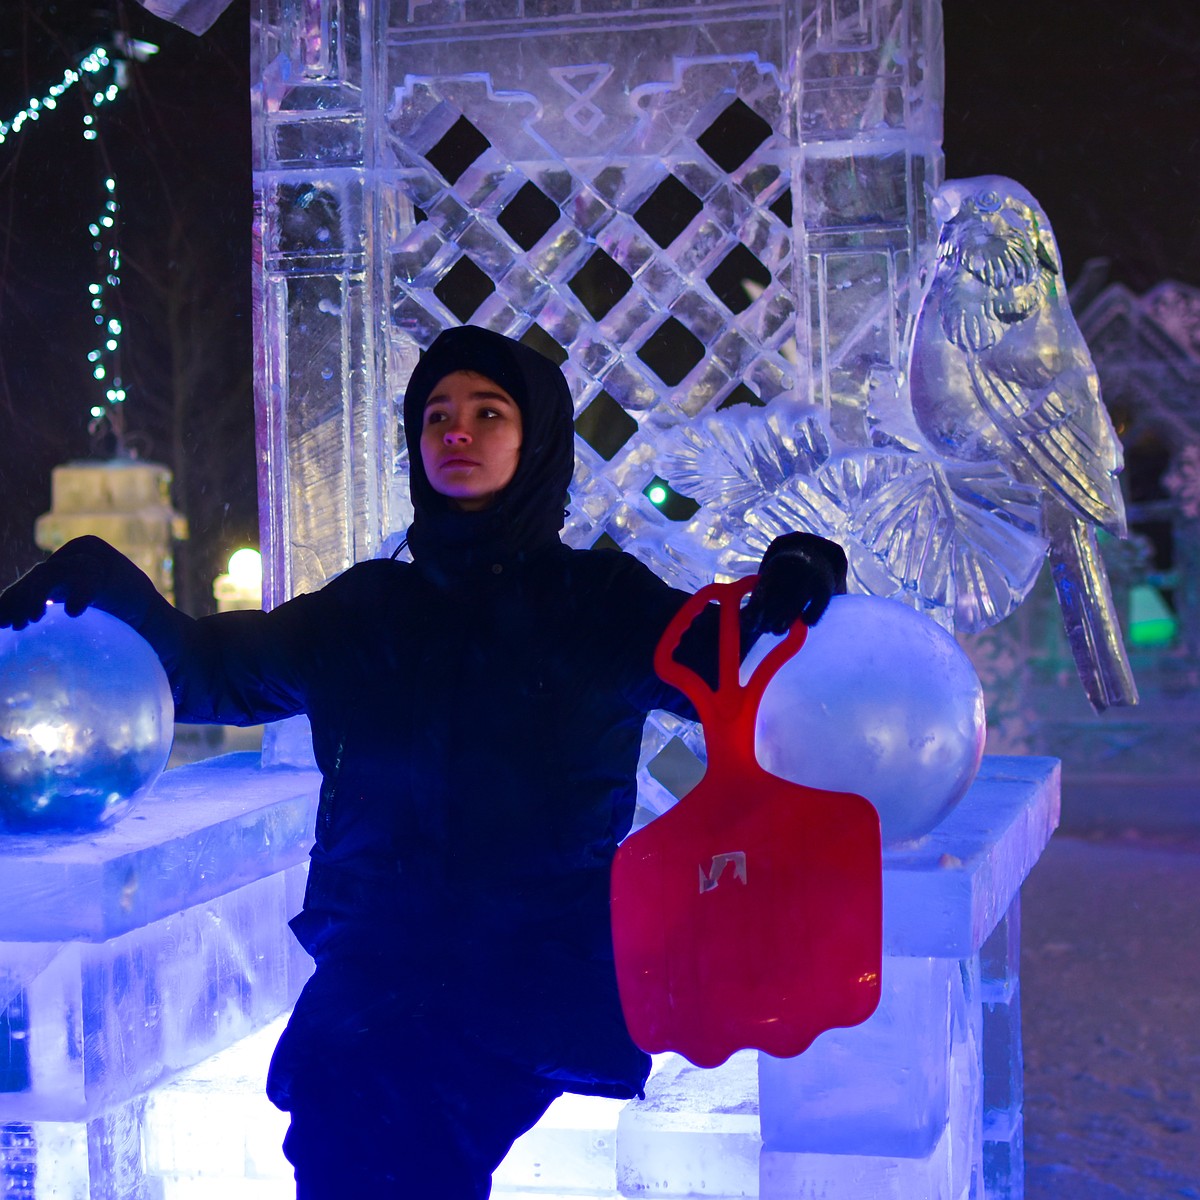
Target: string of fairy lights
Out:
[104,72]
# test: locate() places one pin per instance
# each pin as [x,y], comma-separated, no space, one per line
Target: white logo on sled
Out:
[710,878]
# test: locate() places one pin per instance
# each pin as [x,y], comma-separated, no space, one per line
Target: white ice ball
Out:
[880,701]
[86,720]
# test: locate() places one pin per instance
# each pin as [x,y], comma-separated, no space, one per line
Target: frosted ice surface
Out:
[572,1148]
[91,1024]
[944,893]
[203,830]
[214,1122]
[133,952]
[696,1132]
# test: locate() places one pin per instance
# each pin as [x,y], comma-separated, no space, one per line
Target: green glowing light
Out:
[1151,622]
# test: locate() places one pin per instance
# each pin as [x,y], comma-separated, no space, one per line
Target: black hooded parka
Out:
[477,718]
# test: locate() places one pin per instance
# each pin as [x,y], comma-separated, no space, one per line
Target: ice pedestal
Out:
[695,1134]
[212,1132]
[130,954]
[924,1098]
[890,1110]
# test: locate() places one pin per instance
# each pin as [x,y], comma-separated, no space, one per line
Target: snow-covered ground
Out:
[1110,983]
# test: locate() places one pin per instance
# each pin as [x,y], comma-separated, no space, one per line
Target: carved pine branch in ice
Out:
[734,464]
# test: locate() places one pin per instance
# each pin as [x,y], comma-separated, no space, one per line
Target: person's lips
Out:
[457,461]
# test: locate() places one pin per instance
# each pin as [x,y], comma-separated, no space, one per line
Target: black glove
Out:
[87,571]
[800,573]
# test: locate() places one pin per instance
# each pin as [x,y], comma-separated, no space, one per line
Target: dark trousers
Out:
[385,1102]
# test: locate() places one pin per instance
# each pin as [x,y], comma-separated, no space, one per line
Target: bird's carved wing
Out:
[1058,428]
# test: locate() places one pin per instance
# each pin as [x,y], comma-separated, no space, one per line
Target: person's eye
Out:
[434,417]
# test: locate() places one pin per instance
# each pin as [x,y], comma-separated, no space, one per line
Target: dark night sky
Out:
[1094,107]
[178,142]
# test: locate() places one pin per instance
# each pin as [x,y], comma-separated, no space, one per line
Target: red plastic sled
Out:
[750,915]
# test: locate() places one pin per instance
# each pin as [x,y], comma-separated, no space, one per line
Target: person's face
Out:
[470,439]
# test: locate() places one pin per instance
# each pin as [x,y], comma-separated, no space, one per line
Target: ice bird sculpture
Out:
[999,371]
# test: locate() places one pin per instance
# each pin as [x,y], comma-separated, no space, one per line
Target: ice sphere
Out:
[880,701]
[86,720]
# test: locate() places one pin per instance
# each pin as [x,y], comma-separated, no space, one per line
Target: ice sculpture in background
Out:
[1001,374]
[86,720]
[716,219]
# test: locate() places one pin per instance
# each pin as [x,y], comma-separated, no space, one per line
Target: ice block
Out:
[129,954]
[926,1103]
[924,1098]
[205,830]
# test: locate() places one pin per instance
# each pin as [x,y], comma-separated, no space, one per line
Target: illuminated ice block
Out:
[131,953]
[212,1127]
[924,1098]
[100,1159]
[695,1134]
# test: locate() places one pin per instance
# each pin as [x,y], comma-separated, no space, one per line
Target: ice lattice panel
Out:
[713,218]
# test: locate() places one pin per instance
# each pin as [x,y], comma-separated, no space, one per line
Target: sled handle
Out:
[732,703]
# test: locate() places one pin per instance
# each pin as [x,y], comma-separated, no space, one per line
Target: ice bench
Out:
[129,957]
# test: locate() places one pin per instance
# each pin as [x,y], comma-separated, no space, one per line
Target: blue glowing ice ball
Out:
[880,701]
[86,720]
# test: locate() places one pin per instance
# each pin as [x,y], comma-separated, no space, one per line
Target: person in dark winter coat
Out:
[477,717]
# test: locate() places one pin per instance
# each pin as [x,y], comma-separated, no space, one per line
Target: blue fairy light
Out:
[104,358]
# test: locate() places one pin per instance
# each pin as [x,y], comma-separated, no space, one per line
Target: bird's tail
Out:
[1087,610]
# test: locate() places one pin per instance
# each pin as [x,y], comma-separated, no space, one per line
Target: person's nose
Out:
[456,434]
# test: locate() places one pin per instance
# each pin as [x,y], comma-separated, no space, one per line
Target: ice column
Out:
[867,105]
[924,1098]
